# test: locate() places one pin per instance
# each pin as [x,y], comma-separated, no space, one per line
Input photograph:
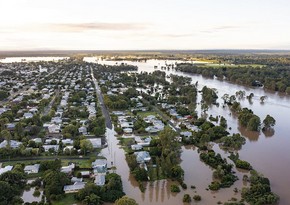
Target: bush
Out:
[186,198]
[183,185]
[36,193]
[174,188]
[214,186]
[197,197]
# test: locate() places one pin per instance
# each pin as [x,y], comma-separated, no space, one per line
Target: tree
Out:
[71,129]
[7,136]
[86,146]
[92,199]
[125,201]
[54,182]
[268,122]
[186,198]
[3,95]
[254,123]
[263,98]
[6,193]
[15,179]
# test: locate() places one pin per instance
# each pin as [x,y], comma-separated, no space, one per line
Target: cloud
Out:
[81,27]
[220,29]
[177,35]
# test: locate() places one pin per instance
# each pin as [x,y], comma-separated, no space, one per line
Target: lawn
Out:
[68,199]
[147,113]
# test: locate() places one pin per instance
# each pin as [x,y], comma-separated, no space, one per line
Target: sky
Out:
[144,25]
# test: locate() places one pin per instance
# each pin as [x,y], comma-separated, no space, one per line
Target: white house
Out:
[96,142]
[68,169]
[13,144]
[74,188]
[83,130]
[27,115]
[100,180]
[48,147]
[6,169]
[142,156]
[29,169]
[100,166]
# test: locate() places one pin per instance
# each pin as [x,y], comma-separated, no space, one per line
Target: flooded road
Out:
[267,152]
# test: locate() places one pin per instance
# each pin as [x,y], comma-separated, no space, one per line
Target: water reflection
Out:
[251,135]
[269,132]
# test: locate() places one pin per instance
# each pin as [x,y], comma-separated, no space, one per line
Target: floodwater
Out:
[267,152]
[27,195]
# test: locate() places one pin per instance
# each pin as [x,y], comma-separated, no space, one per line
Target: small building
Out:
[48,147]
[29,169]
[74,188]
[128,130]
[85,173]
[5,169]
[75,179]
[142,157]
[100,179]
[99,166]
[83,130]
[27,115]
[96,142]
[10,126]
[186,134]
[67,141]
[13,144]
[136,147]
[68,169]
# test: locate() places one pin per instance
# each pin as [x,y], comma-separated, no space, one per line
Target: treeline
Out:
[276,78]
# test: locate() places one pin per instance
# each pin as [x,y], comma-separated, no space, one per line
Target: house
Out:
[142,157]
[75,179]
[136,147]
[85,173]
[99,166]
[68,147]
[128,130]
[96,142]
[68,169]
[53,129]
[143,142]
[56,120]
[74,188]
[13,144]
[33,110]
[48,147]
[10,126]
[100,180]
[83,130]
[6,169]
[27,115]
[29,169]
[37,140]
[186,134]
[67,141]
[48,141]
[2,110]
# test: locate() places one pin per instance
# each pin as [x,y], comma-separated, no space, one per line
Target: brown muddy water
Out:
[267,152]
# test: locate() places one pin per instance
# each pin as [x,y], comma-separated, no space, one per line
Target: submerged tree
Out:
[268,122]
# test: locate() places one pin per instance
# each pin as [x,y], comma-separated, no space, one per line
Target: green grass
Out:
[147,113]
[68,199]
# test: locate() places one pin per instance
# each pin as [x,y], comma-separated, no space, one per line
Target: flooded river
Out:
[267,152]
